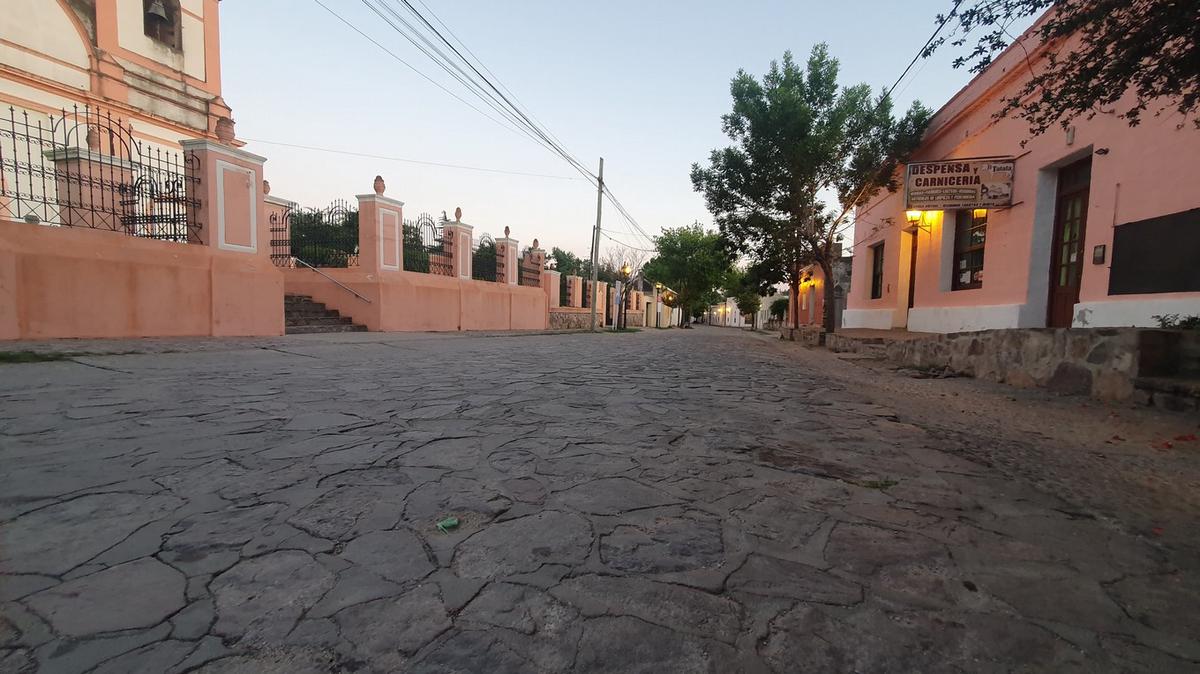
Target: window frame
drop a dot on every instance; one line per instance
(967, 221)
(877, 261)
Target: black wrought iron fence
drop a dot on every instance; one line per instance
(425, 247)
(585, 299)
(483, 260)
(322, 237)
(84, 168)
(563, 298)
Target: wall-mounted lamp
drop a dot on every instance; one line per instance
(916, 220)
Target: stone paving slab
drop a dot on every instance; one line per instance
(269, 506)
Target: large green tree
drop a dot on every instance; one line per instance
(692, 262)
(1147, 48)
(806, 152)
(747, 287)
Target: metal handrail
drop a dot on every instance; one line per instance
(339, 283)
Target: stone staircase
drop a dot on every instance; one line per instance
(303, 316)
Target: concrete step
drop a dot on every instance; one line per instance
(310, 313)
(318, 320)
(303, 316)
(318, 329)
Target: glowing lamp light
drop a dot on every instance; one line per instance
(979, 213)
(913, 217)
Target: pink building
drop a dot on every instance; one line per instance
(811, 298)
(1095, 225)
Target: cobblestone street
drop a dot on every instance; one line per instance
(674, 501)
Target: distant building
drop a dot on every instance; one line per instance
(1097, 224)
(812, 294)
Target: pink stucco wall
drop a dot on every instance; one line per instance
(415, 302)
(77, 282)
(1147, 171)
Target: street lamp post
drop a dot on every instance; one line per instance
(625, 272)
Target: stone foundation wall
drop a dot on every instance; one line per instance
(809, 335)
(571, 318)
(635, 319)
(1101, 362)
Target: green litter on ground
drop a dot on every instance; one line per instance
(447, 524)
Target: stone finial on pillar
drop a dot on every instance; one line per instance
(458, 214)
(225, 130)
(379, 186)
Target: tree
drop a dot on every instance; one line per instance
(566, 262)
(779, 308)
(747, 288)
(802, 144)
(690, 261)
(324, 238)
(1147, 47)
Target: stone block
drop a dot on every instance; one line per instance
(1071, 379)
(1111, 385)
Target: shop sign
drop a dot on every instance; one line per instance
(959, 183)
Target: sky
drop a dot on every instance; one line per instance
(641, 83)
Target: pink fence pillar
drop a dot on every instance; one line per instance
(532, 264)
(231, 199)
(247, 290)
(574, 296)
(380, 231)
(507, 269)
(459, 235)
(550, 283)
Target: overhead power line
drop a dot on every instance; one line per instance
(408, 65)
(451, 54)
(368, 155)
(937, 31)
(614, 239)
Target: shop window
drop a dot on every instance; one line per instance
(877, 271)
(162, 22)
(970, 235)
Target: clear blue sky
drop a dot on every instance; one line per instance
(641, 83)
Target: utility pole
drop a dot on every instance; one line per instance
(596, 243)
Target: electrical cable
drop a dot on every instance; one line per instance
(410, 161)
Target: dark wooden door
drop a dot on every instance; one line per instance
(1066, 255)
(912, 272)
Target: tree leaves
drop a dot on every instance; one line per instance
(691, 261)
(1099, 51)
